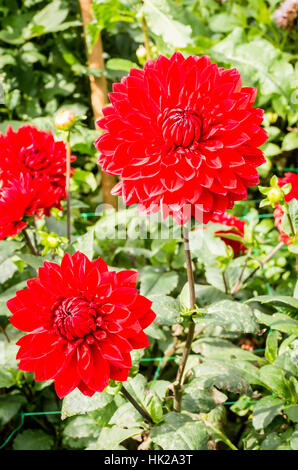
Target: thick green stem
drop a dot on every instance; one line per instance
(136, 405)
(29, 242)
(67, 187)
(146, 38)
(192, 296)
(291, 225)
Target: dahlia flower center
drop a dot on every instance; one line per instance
(33, 158)
(75, 318)
(180, 127)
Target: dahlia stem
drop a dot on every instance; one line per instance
(29, 242)
(5, 334)
(146, 38)
(238, 282)
(262, 263)
(291, 225)
(67, 186)
(191, 330)
(141, 410)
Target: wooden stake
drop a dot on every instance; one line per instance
(99, 96)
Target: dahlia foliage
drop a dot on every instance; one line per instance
(83, 321)
(237, 228)
(278, 213)
(183, 136)
(32, 176)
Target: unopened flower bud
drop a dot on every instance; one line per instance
(64, 120)
(53, 242)
(275, 195)
(141, 52)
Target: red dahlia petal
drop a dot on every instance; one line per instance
(67, 380)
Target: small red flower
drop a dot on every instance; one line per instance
(278, 213)
(183, 137)
(29, 150)
(238, 225)
(83, 322)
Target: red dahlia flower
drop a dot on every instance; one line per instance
(22, 195)
(83, 321)
(278, 212)
(182, 135)
(33, 151)
(16, 196)
(238, 225)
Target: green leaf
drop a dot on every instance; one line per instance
(273, 441)
(293, 212)
(206, 246)
(7, 270)
(205, 295)
(84, 244)
(166, 308)
(278, 322)
(260, 64)
(294, 439)
(160, 18)
(76, 403)
(290, 141)
(217, 348)
(48, 20)
(33, 261)
(9, 406)
(8, 248)
(195, 399)
(149, 399)
(110, 438)
(292, 412)
(6, 378)
(9, 294)
(276, 300)
(265, 411)
(224, 23)
(155, 280)
(275, 378)
(154, 407)
(159, 387)
(126, 416)
(87, 177)
(33, 439)
(180, 432)
(271, 350)
(230, 315)
(223, 376)
(288, 359)
(121, 64)
(79, 431)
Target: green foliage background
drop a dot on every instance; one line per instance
(233, 397)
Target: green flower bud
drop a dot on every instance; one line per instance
(275, 195)
(52, 242)
(141, 52)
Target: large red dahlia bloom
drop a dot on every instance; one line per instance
(83, 321)
(183, 136)
(237, 228)
(278, 213)
(33, 151)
